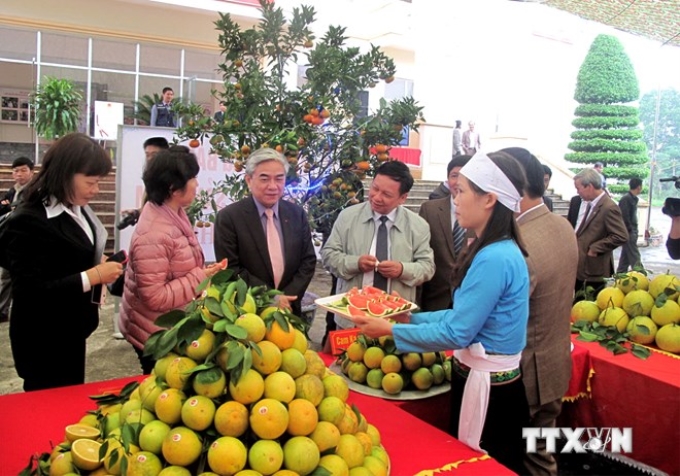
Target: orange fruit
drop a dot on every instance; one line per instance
(193, 143)
(303, 417)
(231, 419)
(284, 339)
(269, 418)
(181, 446)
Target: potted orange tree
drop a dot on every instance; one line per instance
(330, 145)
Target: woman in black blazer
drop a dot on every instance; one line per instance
(52, 245)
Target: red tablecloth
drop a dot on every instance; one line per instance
(581, 373)
(30, 421)
(629, 392)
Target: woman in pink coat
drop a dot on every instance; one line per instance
(166, 261)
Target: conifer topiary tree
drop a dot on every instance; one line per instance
(607, 130)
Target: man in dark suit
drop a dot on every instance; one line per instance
(546, 359)
(267, 240)
(22, 173)
(599, 230)
(436, 293)
(630, 254)
(219, 115)
(574, 207)
(547, 175)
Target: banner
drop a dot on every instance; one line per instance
(130, 163)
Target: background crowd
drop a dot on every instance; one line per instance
(487, 230)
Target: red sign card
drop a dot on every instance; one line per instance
(340, 340)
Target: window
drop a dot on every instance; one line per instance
(14, 106)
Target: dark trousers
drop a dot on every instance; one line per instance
(630, 254)
(507, 414)
(40, 374)
(581, 285)
(146, 361)
(330, 317)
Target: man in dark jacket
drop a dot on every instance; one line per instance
(630, 255)
(162, 114)
(22, 173)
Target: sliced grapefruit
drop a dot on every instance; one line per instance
(356, 312)
(377, 309)
(359, 301)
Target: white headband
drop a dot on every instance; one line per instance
(486, 175)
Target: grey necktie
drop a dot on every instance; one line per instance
(458, 238)
(380, 281)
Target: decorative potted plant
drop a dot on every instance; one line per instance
(57, 107)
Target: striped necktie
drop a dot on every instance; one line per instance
(381, 253)
(458, 237)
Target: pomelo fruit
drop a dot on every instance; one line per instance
(585, 311)
(638, 303)
(668, 338)
(614, 317)
(641, 330)
(633, 280)
(664, 283)
(668, 313)
(609, 297)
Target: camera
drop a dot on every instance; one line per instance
(129, 220)
(671, 206)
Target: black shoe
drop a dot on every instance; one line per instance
(4, 317)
